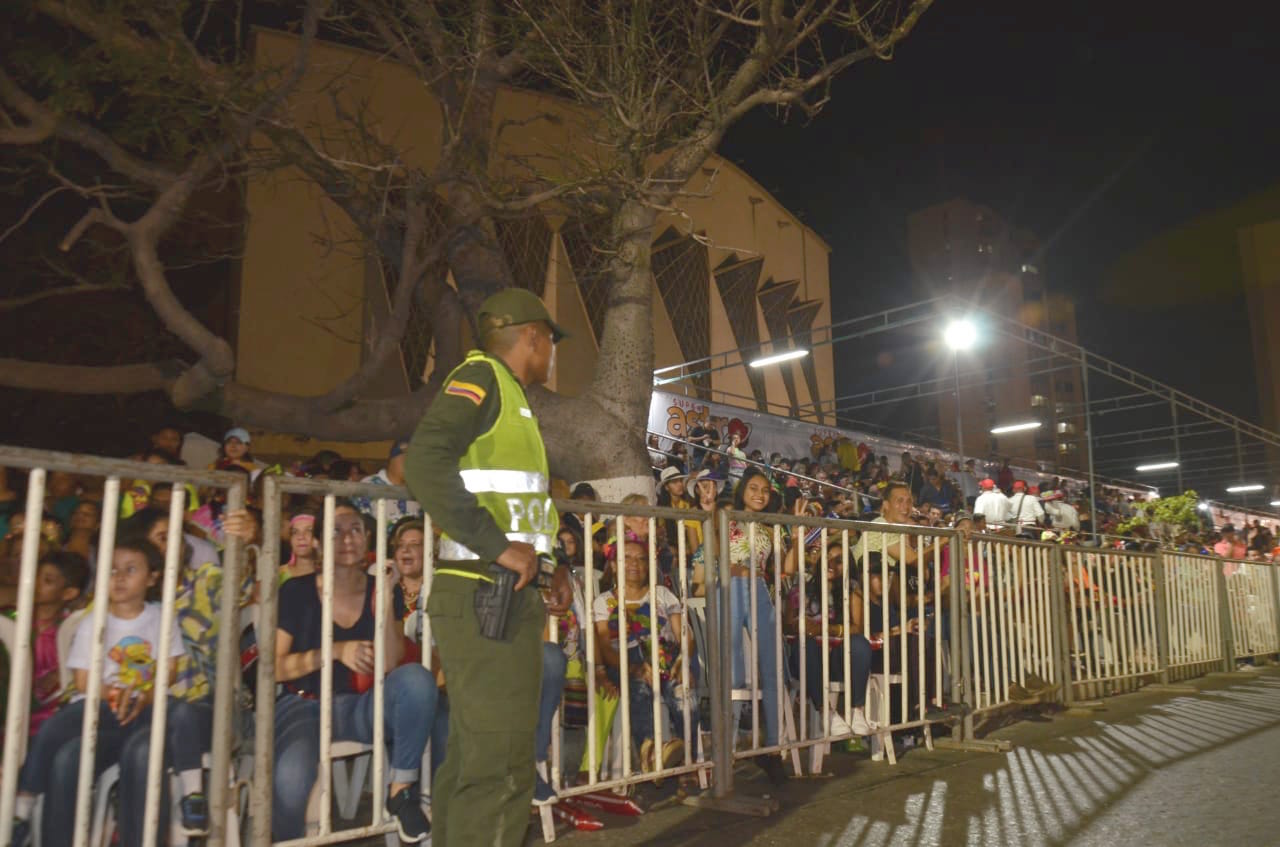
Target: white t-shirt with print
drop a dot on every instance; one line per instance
(129, 658)
(668, 605)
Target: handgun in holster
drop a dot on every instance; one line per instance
(495, 597)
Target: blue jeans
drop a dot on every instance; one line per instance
(859, 666)
(762, 625)
(640, 698)
(554, 665)
(53, 764)
(410, 714)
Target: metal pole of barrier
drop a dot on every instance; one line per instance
(20, 663)
(961, 649)
(93, 696)
(264, 631)
(1274, 583)
(160, 698)
(1227, 617)
(227, 672)
(1061, 624)
(1161, 580)
(589, 630)
(326, 667)
(624, 669)
(722, 723)
(381, 597)
(655, 667)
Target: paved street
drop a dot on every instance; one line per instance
(1151, 768)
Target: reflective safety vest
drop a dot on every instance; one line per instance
(506, 469)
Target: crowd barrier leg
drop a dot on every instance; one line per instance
(1160, 576)
(1274, 585)
(1058, 577)
(265, 706)
(1227, 616)
(720, 659)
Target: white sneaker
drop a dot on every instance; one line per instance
(839, 726)
(860, 724)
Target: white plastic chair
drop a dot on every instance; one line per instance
(882, 740)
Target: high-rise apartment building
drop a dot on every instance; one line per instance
(969, 251)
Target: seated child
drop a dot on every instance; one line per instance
(128, 674)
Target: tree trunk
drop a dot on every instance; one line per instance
(600, 434)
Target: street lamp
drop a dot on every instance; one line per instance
(778, 357)
(1018, 427)
(960, 334)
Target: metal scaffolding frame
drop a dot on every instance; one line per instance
(1120, 394)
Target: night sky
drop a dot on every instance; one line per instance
(1097, 125)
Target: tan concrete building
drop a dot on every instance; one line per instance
(968, 250)
(732, 269)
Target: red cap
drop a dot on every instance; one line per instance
(1019, 485)
(1035, 489)
(987, 484)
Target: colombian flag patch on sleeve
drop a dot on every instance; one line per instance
(472, 392)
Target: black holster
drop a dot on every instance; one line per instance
(494, 601)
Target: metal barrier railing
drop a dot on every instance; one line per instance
(226, 609)
(1193, 603)
(1252, 594)
(1089, 620)
(612, 726)
(910, 657)
(320, 804)
(1113, 620)
(1014, 608)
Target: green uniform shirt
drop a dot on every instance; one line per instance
(431, 468)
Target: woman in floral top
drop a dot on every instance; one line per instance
(753, 495)
(642, 611)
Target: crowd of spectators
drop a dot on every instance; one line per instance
(842, 481)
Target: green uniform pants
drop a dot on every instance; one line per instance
(483, 791)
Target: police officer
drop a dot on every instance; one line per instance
(478, 467)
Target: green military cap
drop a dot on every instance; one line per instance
(512, 306)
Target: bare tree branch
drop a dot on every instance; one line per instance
(45, 123)
(87, 379)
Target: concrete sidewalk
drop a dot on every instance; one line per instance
(1166, 768)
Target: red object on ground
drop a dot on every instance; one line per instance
(578, 818)
(607, 801)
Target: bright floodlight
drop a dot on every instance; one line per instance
(1158, 466)
(1204, 507)
(960, 334)
(1275, 502)
(778, 357)
(1018, 427)
(1239, 489)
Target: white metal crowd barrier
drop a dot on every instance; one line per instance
(111, 472)
(1252, 595)
(1193, 604)
(365, 756)
(1087, 620)
(867, 593)
(604, 604)
(1013, 608)
(1113, 619)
